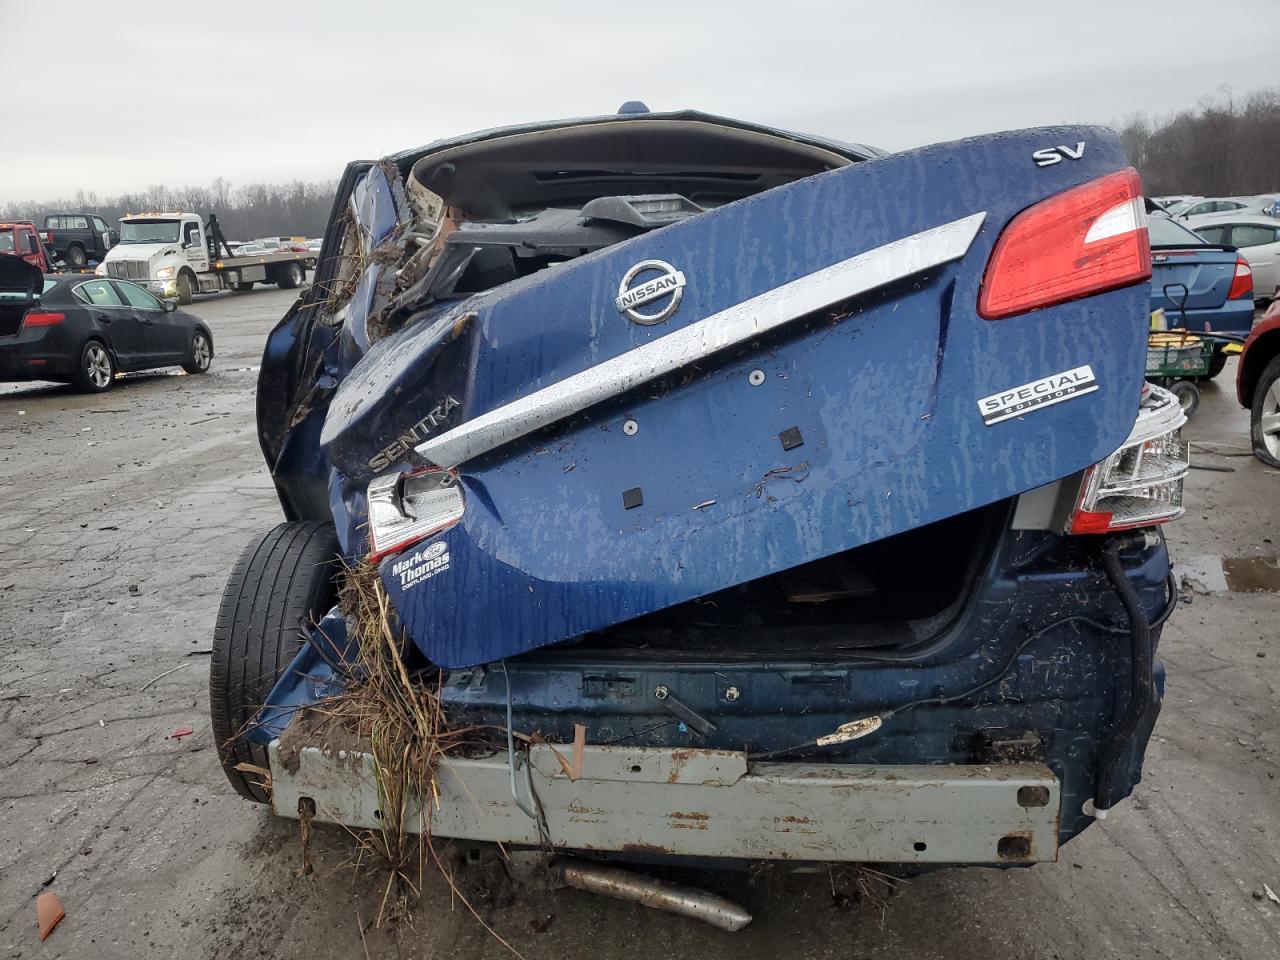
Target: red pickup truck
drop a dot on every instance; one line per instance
(20, 237)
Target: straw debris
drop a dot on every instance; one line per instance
(396, 714)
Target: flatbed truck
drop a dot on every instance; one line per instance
(182, 254)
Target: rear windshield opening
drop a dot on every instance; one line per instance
(1165, 233)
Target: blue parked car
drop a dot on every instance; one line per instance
(809, 497)
(1217, 281)
(1201, 286)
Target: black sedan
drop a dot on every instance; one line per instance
(84, 329)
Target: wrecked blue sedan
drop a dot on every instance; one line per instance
(808, 496)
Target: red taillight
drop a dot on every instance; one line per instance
(1242, 282)
(43, 319)
(1083, 241)
(1084, 521)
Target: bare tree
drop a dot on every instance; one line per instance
(256, 210)
(1224, 147)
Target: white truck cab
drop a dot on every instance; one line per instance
(177, 255)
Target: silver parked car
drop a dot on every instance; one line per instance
(1214, 206)
(1257, 237)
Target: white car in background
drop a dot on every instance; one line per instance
(1215, 206)
(1257, 237)
(1176, 203)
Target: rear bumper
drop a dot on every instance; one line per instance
(707, 803)
(1234, 316)
(36, 355)
(1062, 704)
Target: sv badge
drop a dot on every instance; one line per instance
(1051, 155)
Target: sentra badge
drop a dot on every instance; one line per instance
(402, 444)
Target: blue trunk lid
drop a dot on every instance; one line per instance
(1206, 273)
(760, 426)
(1203, 275)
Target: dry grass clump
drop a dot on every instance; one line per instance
(400, 718)
(856, 884)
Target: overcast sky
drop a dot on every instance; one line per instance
(119, 96)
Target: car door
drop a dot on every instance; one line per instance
(29, 246)
(102, 241)
(1260, 245)
(164, 337)
(115, 320)
(194, 247)
(168, 331)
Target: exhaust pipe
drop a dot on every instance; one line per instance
(658, 894)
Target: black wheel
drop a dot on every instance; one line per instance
(1264, 415)
(97, 369)
(185, 288)
(289, 276)
(240, 286)
(201, 353)
(280, 585)
(1188, 395)
(1217, 362)
(75, 258)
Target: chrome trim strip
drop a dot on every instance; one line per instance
(761, 314)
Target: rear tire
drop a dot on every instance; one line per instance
(75, 258)
(201, 354)
(97, 368)
(280, 585)
(185, 288)
(289, 276)
(1264, 415)
(1188, 395)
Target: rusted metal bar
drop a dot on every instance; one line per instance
(658, 894)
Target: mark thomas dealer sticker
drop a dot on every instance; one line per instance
(1037, 395)
(422, 565)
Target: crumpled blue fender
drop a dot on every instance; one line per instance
(317, 672)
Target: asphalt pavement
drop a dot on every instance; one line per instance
(123, 514)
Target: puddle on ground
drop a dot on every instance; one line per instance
(1252, 574)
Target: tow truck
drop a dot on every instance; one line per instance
(181, 254)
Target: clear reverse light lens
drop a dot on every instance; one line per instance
(1141, 483)
(407, 507)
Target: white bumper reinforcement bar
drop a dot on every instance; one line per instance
(709, 803)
